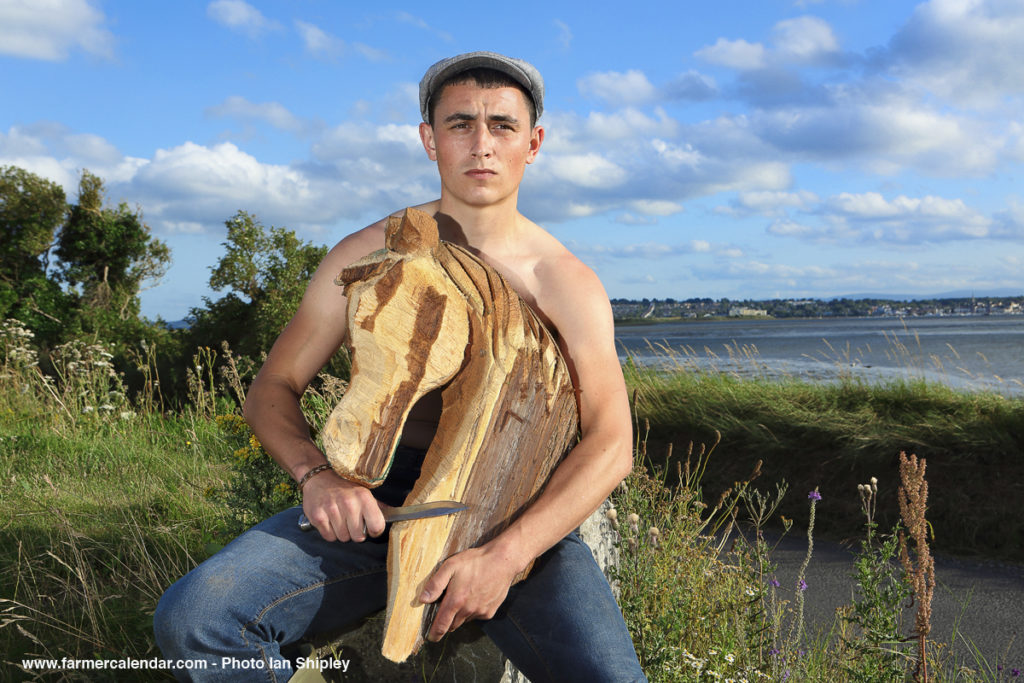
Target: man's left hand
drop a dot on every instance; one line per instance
(473, 582)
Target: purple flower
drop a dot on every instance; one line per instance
(801, 584)
(1015, 672)
(814, 495)
(775, 582)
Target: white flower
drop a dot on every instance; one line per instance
(106, 407)
(88, 409)
(730, 658)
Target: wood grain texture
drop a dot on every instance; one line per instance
(425, 314)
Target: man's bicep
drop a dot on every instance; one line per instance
(587, 336)
(318, 328)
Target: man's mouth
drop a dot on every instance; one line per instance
(480, 172)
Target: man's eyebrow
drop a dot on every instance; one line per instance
(463, 116)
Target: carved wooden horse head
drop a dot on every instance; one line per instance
(425, 314)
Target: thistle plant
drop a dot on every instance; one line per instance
(913, 501)
(881, 591)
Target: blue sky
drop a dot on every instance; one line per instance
(741, 149)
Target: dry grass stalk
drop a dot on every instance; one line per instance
(913, 501)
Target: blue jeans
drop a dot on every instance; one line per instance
(275, 585)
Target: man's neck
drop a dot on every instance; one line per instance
(480, 228)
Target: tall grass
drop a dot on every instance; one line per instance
(103, 509)
(835, 435)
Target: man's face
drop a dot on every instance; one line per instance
(482, 141)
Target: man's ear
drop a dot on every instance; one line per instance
(536, 140)
(427, 138)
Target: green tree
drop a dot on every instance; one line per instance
(265, 273)
(31, 211)
(105, 257)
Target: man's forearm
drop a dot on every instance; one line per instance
(272, 410)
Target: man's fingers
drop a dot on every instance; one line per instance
(436, 584)
(374, 520)
(433, 589)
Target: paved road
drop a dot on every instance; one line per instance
(980, 603)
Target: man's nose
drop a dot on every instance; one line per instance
(483, 144)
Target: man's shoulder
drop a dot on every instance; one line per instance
(564, 282)
(369, 239)
(557, 263)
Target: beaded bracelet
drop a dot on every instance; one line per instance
(313, 471)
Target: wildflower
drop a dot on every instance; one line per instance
(774, 582)
(613, 517)
(814, 495)
(1015, 672)
(106, 407)
(652, 536)
(88, 409)
(801, 584)
(634, 521)
(730, 658)
(749, 592)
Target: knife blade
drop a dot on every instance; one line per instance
(435, 508)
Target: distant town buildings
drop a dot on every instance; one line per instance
(648, 309)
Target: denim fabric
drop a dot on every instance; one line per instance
(275, 585)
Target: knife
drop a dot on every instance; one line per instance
(437, 508)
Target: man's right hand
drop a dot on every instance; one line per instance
(341, 510)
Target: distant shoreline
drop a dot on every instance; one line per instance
(636, 322)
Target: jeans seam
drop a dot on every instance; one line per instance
(536, 651)
(287, 596)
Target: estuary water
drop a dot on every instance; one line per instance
(981, 353)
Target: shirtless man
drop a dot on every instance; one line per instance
(276, 586)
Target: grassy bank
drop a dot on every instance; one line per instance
(107, 501)
(834, 436)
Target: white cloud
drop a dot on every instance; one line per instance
(912, 219)
(51, 29)
(583, 170)
(318, 42)
(784, 227)
(805, 39)
(772, 203)
(656, 207)
(631, 87)
(645, 251)
(419, 23)
(737, 54)
(370, 54)
(967, 51)
(889, 132)
(691, 85)
(629, 123)
(870, 217)
(240, 16)
(273, 113)
(564, 34)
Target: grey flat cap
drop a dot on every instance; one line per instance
(524, 73)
